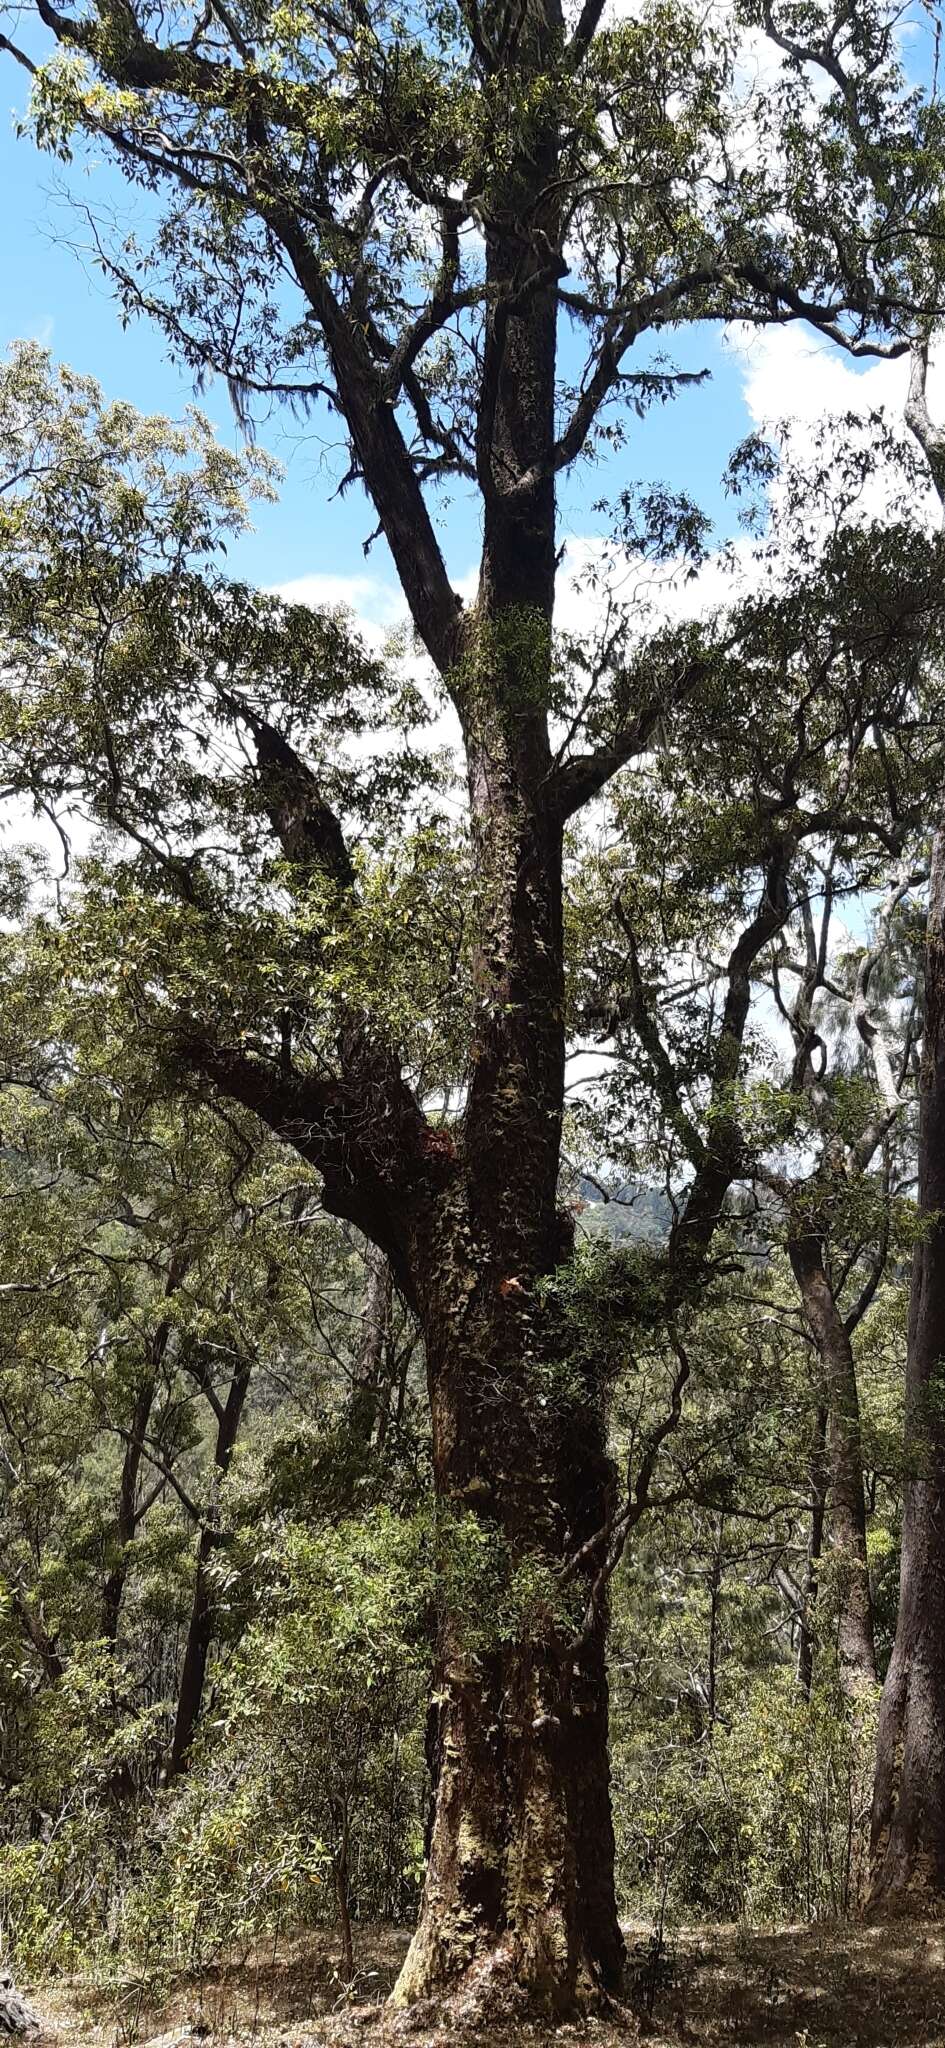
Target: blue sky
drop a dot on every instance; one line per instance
(312, 538)
(53, 294)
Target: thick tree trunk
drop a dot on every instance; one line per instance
(908, 1846)
(519, 1884)
(519, 1895)
(519, 1892)
(520, 1881)
(851, 1602)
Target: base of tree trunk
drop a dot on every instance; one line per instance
(498, 1988)
(914, 1901)
(519, 1910)
(16, 2017)
(908, 1845)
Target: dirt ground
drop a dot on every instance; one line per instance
(793, 1987)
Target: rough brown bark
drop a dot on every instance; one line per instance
(370, 1384)
(520, 1878)
(519, 1883)
(852, 1607)
(818, 1511)
(908, 1835)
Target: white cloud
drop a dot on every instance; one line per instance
(791, 373)
(377, 607)
(794, 377)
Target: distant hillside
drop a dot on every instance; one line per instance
(632, 1211)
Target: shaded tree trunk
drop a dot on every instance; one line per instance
(200, 1629)
(130, 1511)
(341, 1873)
(818, 1510)
(908, 1834)
(196, 1653)
(852, 1615)
(394, 1386)
(126, 1520)
(370, 1383)
(519, 1886)
(520, 1878)
(716, 1571)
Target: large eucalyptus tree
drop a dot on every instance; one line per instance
(468, 231)
(908, 1822)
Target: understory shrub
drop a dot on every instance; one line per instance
(765, 1816)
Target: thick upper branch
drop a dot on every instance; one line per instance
(362, 1130)
(574, 783)
(305, 825)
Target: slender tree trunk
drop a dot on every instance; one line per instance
(196, 1654)
(370, 1388)
(36, 1633)
(715, 1610)
(126, 1519)
(200, 1629)
(818, 1510)
(128, 1507)
(342, 1897)
(846, 1503)
(908, 1840)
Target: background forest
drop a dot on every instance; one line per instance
(219, 1541)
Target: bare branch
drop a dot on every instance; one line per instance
(869, 1027)
(931, 439)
